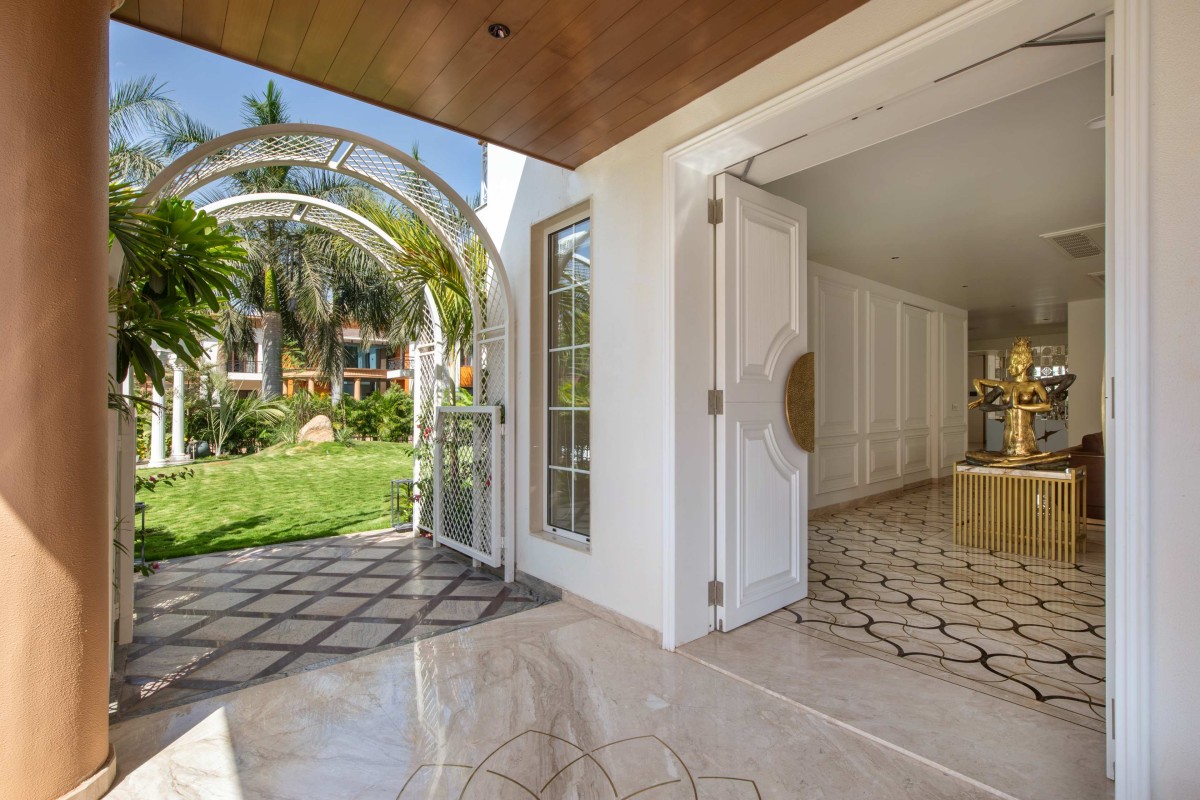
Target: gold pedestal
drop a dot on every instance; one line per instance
(1039, 513)
(987, 458)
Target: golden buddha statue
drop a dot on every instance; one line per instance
(1021, 399)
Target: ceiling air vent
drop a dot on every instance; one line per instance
(1078, 242)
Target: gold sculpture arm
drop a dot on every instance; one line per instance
(979, 384)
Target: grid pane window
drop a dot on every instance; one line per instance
(568, 380)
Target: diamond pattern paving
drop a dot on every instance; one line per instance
(211, 623)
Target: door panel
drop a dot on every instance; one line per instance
(762, 475)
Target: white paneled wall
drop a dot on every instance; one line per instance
(891, 386)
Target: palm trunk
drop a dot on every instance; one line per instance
(335, 385)
(272, 355)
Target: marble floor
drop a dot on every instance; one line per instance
(986, 663)
(550, 703)
(886, 578)
(215, 622)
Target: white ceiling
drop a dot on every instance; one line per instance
(964, 201)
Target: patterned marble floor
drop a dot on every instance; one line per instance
(886, 578)
(553, 703)
(214, 622)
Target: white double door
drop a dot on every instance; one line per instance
(761, 473)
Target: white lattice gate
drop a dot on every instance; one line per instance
(468, 481)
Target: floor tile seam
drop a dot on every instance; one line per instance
(1028, 703)
(941, 768)
(343, 621)
(423, 613)
(335, 658)
(216, 615)
(251, 634)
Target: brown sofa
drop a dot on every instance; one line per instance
(1090, 454)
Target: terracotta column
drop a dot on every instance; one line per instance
(55, 531)
(357, 389)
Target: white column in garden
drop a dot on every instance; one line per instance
(178, 452)
(158, 431)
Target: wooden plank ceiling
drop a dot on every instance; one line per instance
(574, 78)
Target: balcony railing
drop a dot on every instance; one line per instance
(250, 365)
(395, 363)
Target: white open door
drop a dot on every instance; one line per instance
(761, 473)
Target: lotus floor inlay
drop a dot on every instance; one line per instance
(552, 703)
(214, 622)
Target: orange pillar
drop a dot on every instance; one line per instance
(55, 532)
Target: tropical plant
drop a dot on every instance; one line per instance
(179, 269)
(229, 414)
(382, 416)
(146, 128)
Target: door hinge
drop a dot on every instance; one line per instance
(716, 402)
(716, 593)
(716, 211)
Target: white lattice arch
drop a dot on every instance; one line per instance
(407, 181)
(314, 211)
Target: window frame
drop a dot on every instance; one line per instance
(540, 355)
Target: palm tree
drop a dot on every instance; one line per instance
(347, 287)
(146, 129)
(281, 269)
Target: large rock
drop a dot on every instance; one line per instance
(317, 429)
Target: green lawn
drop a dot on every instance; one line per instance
(285, 493)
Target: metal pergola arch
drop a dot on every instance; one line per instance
(405, 180)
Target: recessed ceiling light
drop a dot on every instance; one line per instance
(964, 286)
(498, 30)
(895, 258)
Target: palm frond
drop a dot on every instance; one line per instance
(133, 162)
(137, 105)
(178, 133)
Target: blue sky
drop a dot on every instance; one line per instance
(210, 87)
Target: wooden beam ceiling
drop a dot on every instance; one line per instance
(573, 79)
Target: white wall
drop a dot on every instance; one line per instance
(624, 570)
(891, 386)
(1173, 372)
(1085, 359)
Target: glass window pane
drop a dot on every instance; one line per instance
(583, 505)
(568, 378)
(559, 308)
(581, 377)
(559, 383)
(558, 511)
(562, 259)
(581, 314)
(558, 449)
(581, 443)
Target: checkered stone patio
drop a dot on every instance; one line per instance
(215, 622)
